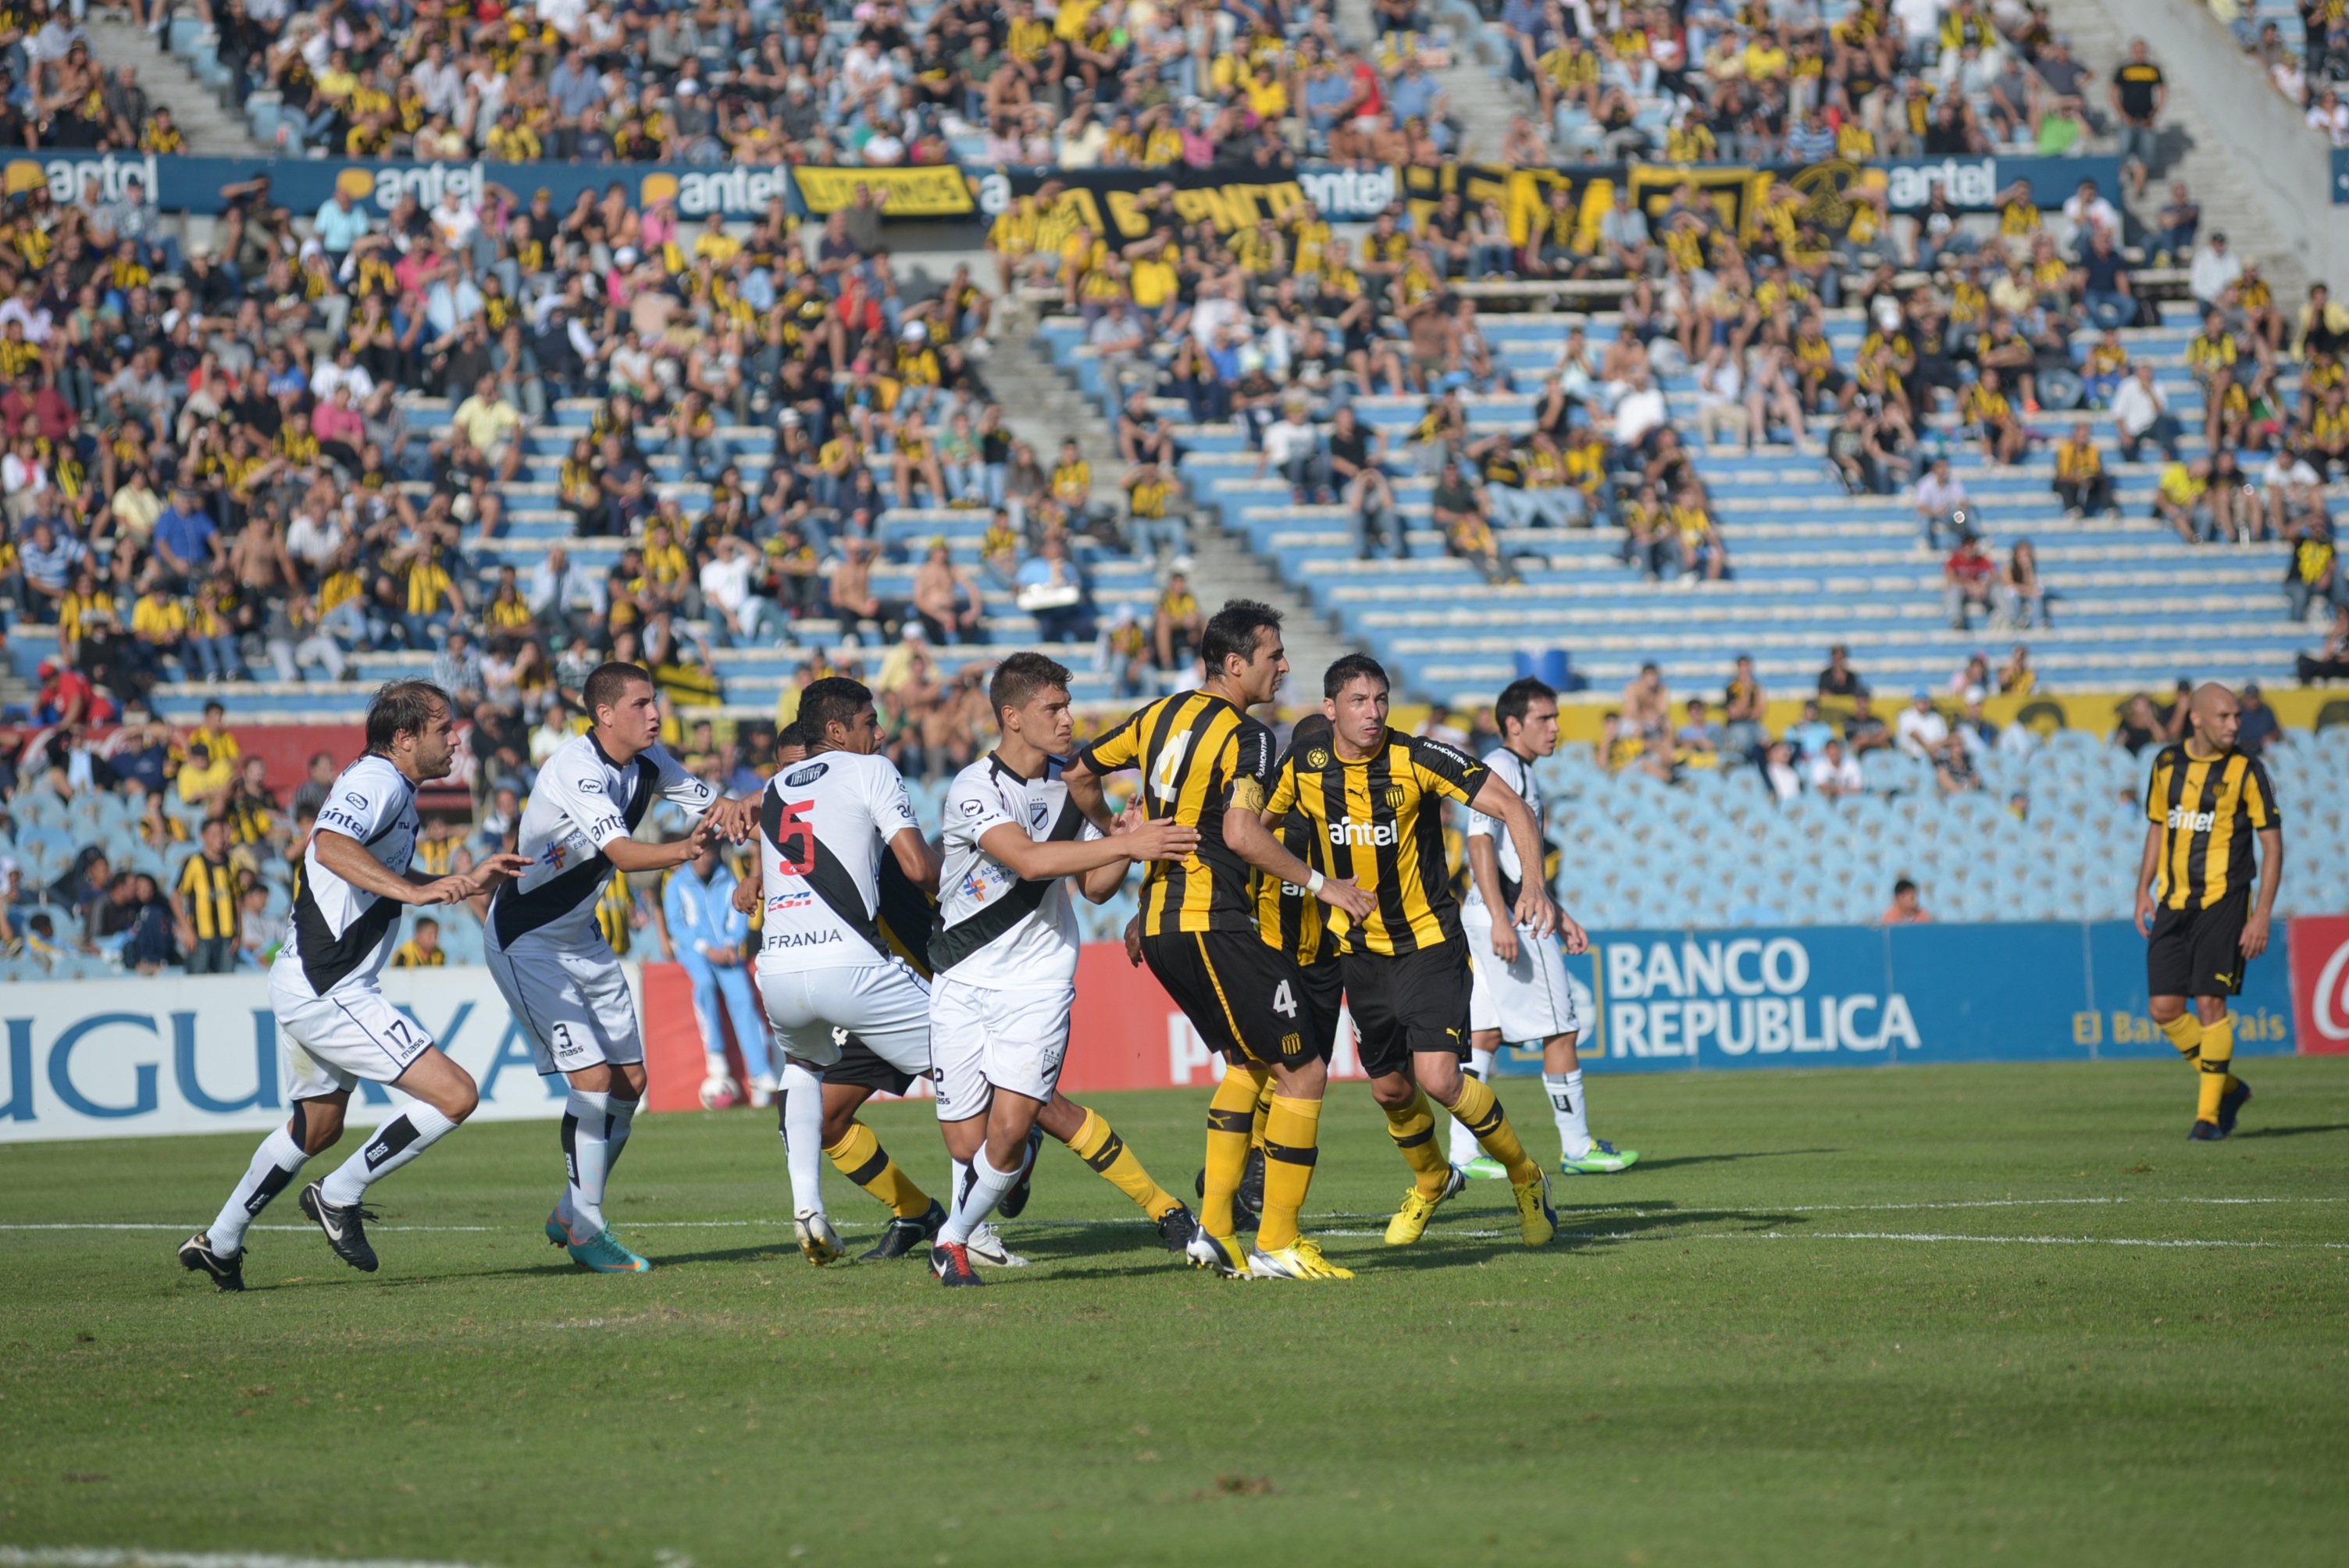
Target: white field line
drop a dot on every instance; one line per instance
(131, 1557)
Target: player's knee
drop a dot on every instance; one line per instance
(2166, 1009)
(1392, 1090)
(2210, 1009)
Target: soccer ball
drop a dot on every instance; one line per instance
(720, 1092)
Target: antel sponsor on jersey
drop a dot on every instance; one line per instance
(1740, 996)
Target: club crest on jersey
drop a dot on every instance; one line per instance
(1397, 796)
(1316, 758)
(1038, 813)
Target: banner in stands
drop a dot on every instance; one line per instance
(1523, 194)
(1108, 200)
(177, 1053)
(938, 191)
(302, 185)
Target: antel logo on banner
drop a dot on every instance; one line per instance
(1743, 995)
(2320, 982)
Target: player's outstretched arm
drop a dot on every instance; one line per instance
(734, 817)
(499, 868)
(1250, 839)
(1536, 910)
(1085, 792)
(629, 855)
(349, 860)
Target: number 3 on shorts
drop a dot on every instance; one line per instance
(1283, 1003)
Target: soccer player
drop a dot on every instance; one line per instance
(1405, 960)
(548, 954)
(324, 986)
(1207, 765)
(2205, 803)
(1005, 950)
(1518, 990)
(824, 964)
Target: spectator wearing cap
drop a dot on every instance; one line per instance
(2260, 728)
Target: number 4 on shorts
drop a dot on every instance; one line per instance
(1283, 1003)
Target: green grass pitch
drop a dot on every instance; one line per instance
(1909, 1315)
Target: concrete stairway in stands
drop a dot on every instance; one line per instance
(1043, 408)
(211, 130)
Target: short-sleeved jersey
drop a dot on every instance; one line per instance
(1375, 824)
(1199, 756)
(340, 936)
(995, 928)
(1518, 774)
(1286, 916)
(2208, 809)
(822, 826)
(210, 892)
(582, 802)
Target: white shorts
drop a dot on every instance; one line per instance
(1526, 1001)
(572, 1001)
(887, 1006)
(332, 1042)
(983, 1039)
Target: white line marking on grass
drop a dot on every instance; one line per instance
(132, 1557)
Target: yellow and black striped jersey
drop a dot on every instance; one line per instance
(614, 911)
(1199, 754)
(211, 890)
(2208, 809)
(1373, 822)
(1286, 916)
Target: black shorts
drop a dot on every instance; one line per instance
(1416, 1002)
(859, 1065)
(1246, 999)
(1325, 994)
(2199, 951)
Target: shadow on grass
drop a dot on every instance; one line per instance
(2290, 1131)
(1717, 1159)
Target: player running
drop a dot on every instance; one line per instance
(336, 1026)
(1005, 950)
(1206, 764)
(545, 949)
(1405, 960)
(2204, 803)
(1518, 991)
(824, 964)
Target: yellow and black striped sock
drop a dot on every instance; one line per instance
(1098, 1146)
(1290, 1135)
(2217, 1061)
(1412, 1127)
(860, 1158)
(1231, 1114)
(2185, 1032)
(1482, 1113)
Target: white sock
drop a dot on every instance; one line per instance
(1566, 1103)
(274, 1166)
(971, 1208)
(395, 1143)
(1463, 1142)
(587, 1159)
(801, 1094)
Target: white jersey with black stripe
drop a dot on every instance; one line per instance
(581, 803)
(995, 929)
(338, 936)
(1518, 774)
(823, 825)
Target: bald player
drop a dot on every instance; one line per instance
(2206, 804)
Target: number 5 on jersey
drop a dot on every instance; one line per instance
(795, 839)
